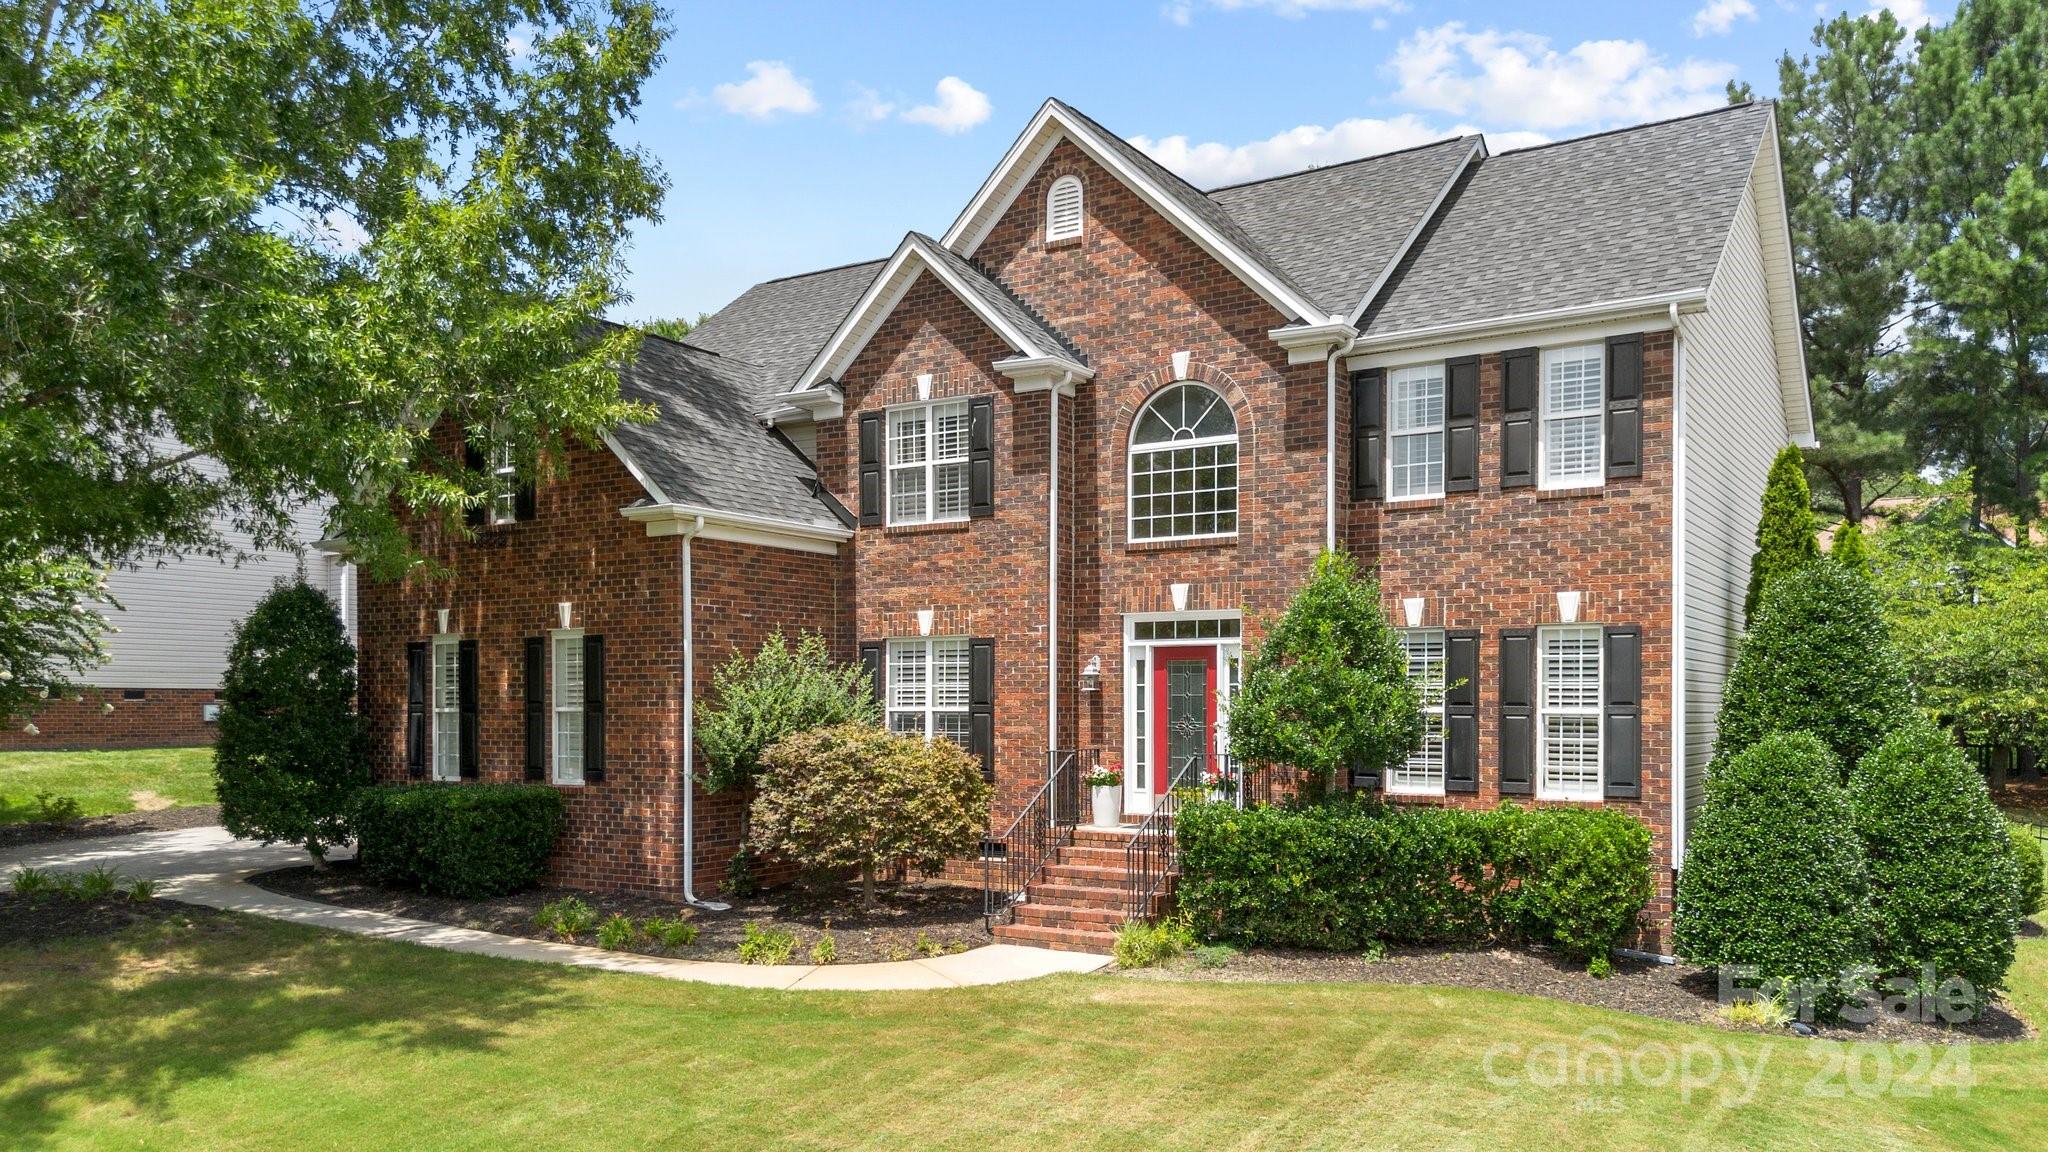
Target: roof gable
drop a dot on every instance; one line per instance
(779, 325)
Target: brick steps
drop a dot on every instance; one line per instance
(1080, 901)
(1057, 939)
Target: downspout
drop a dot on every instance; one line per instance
(1330, 450)
(1052, 581)
(690, 733)
(1678, 463)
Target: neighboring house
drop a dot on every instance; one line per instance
(1074, 454)
(169, 645)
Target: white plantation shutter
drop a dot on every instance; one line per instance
(1063, 209)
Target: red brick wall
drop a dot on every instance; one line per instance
(163, 718)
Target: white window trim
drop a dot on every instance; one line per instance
(1596, 711)
(930, 464)
(1052, 231)
(504, 506)
(930, 710)
(555, 709)
(444, 643)
(1229, 677)
(1441, 430)
(1132, 449)
(1429, 709)
(1598, 478)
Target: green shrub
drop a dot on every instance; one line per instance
(467, 840)
(1785, 532)
(1819, 659)
(739, 873)
(54, 809)
(140, 890)
(758, 700)
(760, 945)
(925, 946)
(32, 882)
(670, 931)
(291, 751)
(1214, 955)
(1774, 875)
(98, 883)
(567, 917)
(1352, 874)
(1141, 944)
(1944, 888)
(1765, 1012)
(825, 951)
(2026, 859)
(616, 933)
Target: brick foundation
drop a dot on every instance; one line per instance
(108, 718)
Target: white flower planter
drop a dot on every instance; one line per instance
(1107, 805)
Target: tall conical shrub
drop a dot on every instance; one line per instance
(1851, 548)
(1785, 535)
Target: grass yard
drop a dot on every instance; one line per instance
(227, 1032)
(105, 783)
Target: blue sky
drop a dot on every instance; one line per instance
(799, 136)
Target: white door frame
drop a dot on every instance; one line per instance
(1229, 654)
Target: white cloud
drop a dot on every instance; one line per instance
(1912, 15)
(1719, 17)
(769, 90)
(1209, 164)
(867, 107)
(959, 107)
(1517, 78)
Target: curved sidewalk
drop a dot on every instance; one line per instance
(207, 866)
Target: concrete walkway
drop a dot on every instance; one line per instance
(207, 866)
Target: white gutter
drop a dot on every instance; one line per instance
(690, 733)
(672, 519)
(1690, 300)
(1678, 446)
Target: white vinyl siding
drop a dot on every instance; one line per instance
(1569, 445)
(446, 701)
(566, 702)
(1423, 772)
(1568, 713)
(928, 462)
(928, 688)
(1415, 432)
(1063, 217)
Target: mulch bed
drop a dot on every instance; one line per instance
(1646, 988)
(946, 918)
(122, 824)
(39, 919)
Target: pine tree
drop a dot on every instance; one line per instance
(1785, 536)
(1850, 549)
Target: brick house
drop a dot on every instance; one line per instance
(1049, 473)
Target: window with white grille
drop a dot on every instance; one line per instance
(504, 485)
(1574, 397)
(568, 707)
(928, 688)
(1184, 466)
(1423, 771)
(1568, 713)
(928, 462)
(1415, 432)
(1063, 209)
(447, 701)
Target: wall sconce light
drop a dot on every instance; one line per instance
(1568, 607)
(1091, 676)
(1412, 608)
(924, 621)
(441, 620)
(562, 612)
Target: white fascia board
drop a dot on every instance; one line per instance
(1030, 374)
(1768, 178)
(1004, 184)
(646, 482)
(825, 402)
(1642, 314)
(1478, 151)
(670, 519)
(1310, 343)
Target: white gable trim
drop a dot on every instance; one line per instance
(1003, 186)
(1774, 227)
(1476, 152)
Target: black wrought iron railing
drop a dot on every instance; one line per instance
(1011, 861)
(1153, 854)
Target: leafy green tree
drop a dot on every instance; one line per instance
(50, 629)
(1328, 688)
(291, 752)
(779, 691)
(675, 327)
(1785, 534)
(253, 251)
(1850, 549)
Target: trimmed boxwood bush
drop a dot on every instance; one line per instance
(2026, 859)
(467, 840)
(1348, 874)
(1944, 888)
(1774, 874)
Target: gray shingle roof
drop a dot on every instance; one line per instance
(1336, 229)
(780, 324)
(1622, 215)
(706, 445)
(1002, 301)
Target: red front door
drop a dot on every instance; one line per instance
(1184, 713)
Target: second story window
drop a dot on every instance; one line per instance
(928, 446)
(1574, 395)
(1415, 432)
(504, 486)
(1184, 466)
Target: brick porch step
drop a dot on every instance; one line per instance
(1071, 916)
(1060, 939)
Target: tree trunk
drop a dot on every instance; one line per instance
(319, 853)
(867, 885)
(1852, 499)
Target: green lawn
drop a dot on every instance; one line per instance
(252, 1034)
(104, 782)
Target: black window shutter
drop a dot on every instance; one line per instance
(466, 690)
(525, 502)
(473, 459)
(871, 652)
(981, 457)
(1461, 711)
(1368, 433)
(1621, 726)
(1518, 370)
(1517, 711)
(536, 708)
(1625, 406)
(1461, 424)
(870, 469)
(981, 704)
(593, 709)
(418, 673)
